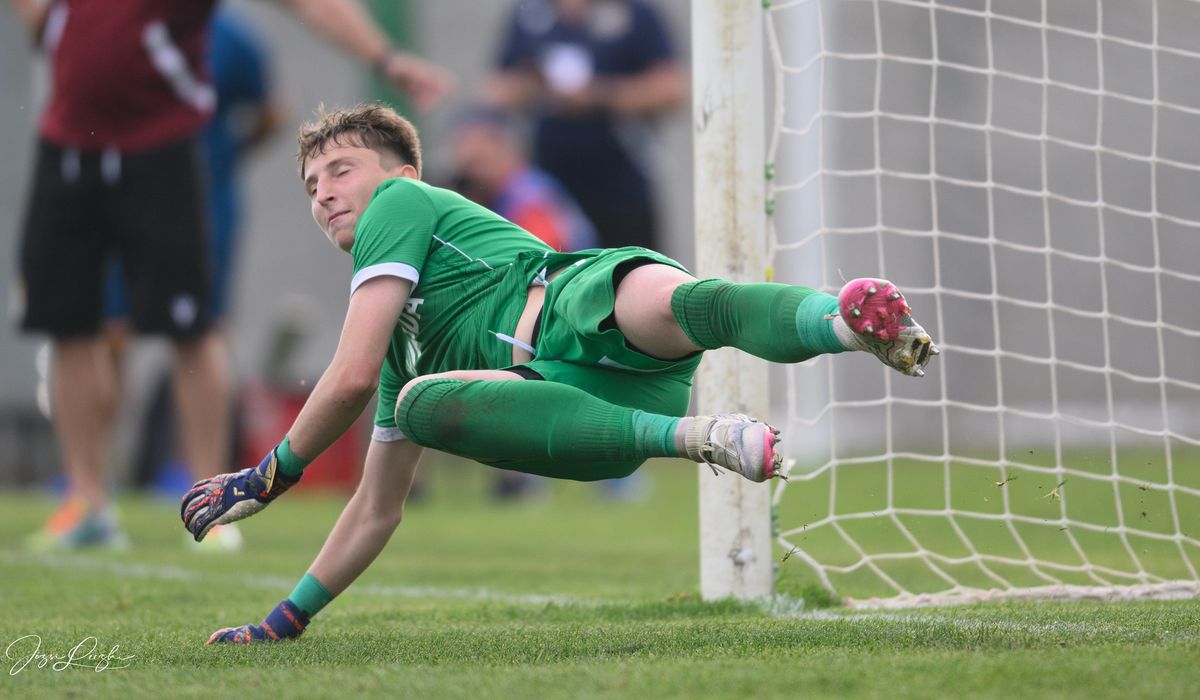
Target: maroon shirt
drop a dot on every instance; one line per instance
(128, 74)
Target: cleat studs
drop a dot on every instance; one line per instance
(868, 328)
(856, 312)
(934, 350)
(919, 372)
(894, 296)
(871, 290)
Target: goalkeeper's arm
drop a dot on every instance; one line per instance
(353, 375)
(337, 400)
(361, 532)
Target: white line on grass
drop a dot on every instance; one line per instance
(78, 562)
(972, 624)
(783, 608)
(791, 608)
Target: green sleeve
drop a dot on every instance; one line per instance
(394, 233)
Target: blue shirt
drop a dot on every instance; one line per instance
(239, 72)
(534, 190)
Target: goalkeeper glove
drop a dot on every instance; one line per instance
(226, 498)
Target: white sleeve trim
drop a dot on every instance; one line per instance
(391, 269)
(382, 434)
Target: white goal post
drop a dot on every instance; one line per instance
(1028, 172)
(728, 128)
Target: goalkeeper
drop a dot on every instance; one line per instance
(485, 343)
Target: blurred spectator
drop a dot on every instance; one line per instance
(593, 73)
(491, 168)
(246, 114)
(118, 172)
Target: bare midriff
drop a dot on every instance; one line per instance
(535, 296)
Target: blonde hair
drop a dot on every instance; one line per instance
(374, 126)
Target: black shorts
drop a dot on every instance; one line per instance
(148, 208)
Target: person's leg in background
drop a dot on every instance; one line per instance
(84, 399)
(202, 397)
(63, 250)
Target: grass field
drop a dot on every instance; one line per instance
(570, 596)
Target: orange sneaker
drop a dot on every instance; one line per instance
(72, 526)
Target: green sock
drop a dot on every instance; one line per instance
(776, 322)
(651, 427)
(289, 463)
(309, 595)
(537, 427)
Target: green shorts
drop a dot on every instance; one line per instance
(571, 347)
(573, 350)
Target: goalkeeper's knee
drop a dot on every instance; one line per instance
(417, 405)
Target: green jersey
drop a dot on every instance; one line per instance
(470, 270)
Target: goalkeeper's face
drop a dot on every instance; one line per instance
(340, 182)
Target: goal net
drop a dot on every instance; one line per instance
(1028, 173)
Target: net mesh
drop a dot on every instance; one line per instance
(1028, 173)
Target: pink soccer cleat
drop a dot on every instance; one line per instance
(881, 322)
(739, 443)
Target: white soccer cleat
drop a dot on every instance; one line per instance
(880, 322)
(736, 442)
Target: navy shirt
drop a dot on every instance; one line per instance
(595, 151)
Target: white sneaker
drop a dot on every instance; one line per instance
(877, 319)
(736, 442)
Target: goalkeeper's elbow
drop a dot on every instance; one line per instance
(355, 385)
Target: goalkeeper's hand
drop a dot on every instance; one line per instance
(226, 498)
(286, 621)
